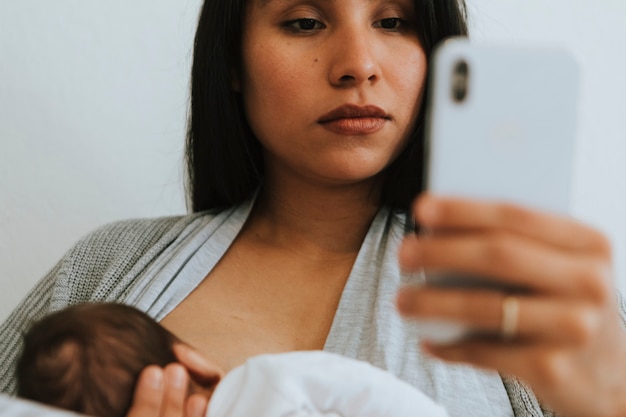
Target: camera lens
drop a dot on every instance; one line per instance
(460, 78)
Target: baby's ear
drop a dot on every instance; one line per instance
(201, 370)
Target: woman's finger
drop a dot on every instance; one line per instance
(176, 382)
(577, 382)
(452, 213)
(199, 368)
(532, 362)
(148, 395)
(546, 319)
(196, 406)
(509, 260)
(509, 359)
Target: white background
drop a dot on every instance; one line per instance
(93, 102)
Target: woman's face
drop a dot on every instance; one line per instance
(331, 88)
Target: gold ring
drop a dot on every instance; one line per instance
(510, 316)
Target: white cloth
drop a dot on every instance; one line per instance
(316, 384)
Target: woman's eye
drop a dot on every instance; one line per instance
(391, 23)
(304, 25)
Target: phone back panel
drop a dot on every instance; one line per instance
(512, 136)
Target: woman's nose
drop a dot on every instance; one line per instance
(355, 61)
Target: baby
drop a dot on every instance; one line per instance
(87, 359)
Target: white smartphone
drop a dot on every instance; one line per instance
(501, 123)
(501, 126)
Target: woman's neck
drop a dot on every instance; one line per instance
(323, 221)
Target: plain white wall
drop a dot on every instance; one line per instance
(93, 100)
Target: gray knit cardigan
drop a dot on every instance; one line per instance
(102, 266)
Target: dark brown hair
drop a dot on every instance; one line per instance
(87, 358)
(224, 159)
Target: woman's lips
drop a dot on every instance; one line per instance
(355, 125)
(351, 119)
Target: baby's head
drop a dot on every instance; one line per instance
(87, 358)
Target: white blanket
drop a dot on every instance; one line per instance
(299, 384)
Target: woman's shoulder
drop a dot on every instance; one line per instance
(138, 230)
(98, 265)
(134, 234)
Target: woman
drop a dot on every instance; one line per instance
(304, 154)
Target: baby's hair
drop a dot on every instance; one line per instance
(87, 358)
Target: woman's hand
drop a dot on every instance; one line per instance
(170, 392)
(163, 393)
(569, 343)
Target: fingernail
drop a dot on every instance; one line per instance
(154, 378)
(176, 376)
